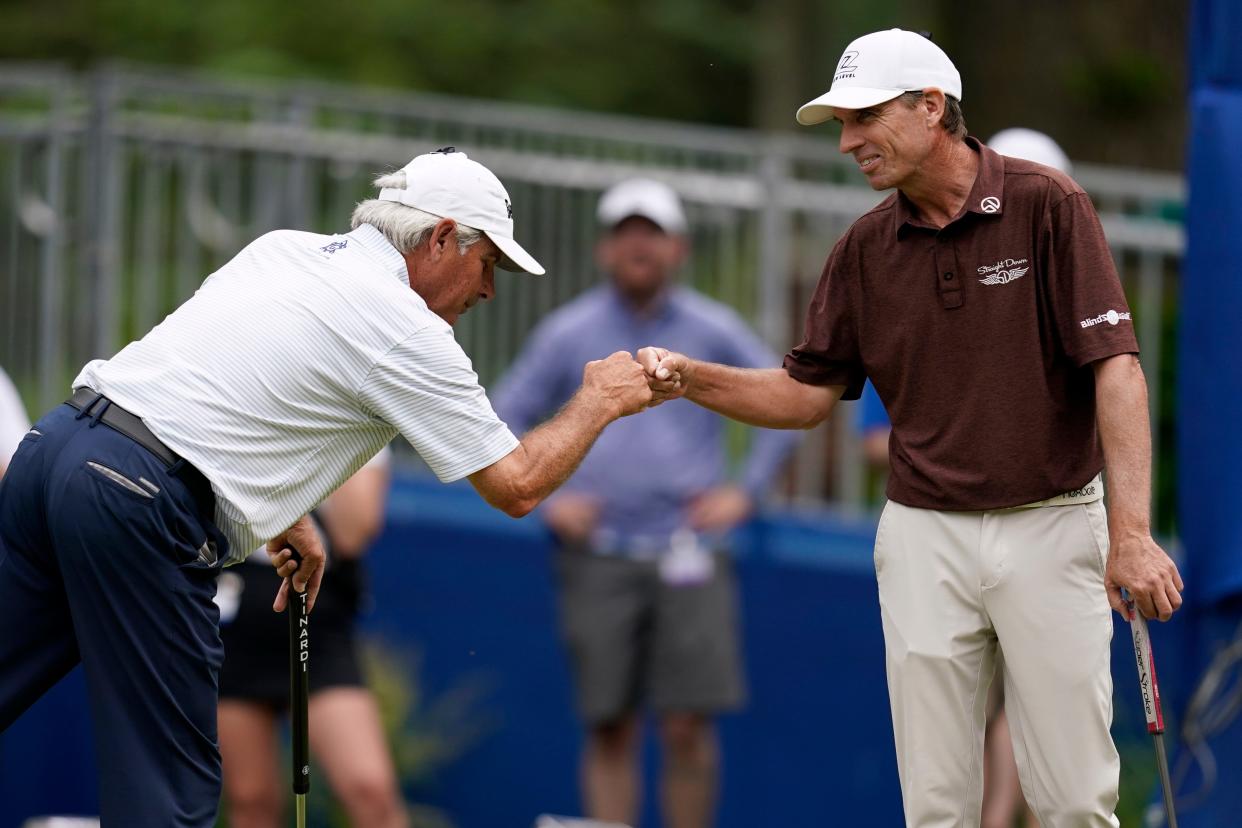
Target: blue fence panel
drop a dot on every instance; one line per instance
(471, 592)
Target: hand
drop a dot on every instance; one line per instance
(571, 516)
(667, 373)
(1138, 564)
(618, 380)
(304, 537)
(720, 509)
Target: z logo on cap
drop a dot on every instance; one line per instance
(848, 66)
(509, 207)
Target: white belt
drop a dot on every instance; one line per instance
(1089, 493)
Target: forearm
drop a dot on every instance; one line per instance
(1125, 435)
(765, 397)
(546, 456)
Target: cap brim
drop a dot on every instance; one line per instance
(514, 258)
(847, 97)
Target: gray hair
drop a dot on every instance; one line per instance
(952, 120)
(405, 227)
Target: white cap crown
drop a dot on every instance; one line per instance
(448, 184)
(1029, 145)
(880, 66)
(653, 200)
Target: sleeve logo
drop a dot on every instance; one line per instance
(1110, 316)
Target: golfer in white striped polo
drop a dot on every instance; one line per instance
(289, 368)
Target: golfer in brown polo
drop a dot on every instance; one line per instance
(982, 302)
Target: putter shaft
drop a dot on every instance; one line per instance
(299, 696)
(1162, 764)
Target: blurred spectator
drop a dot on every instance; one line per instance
(1029, 145)
(1002, 794)
(873, 426)
(648, 605)
(13, 420)
(346, 735)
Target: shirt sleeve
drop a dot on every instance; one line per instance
(1088, 304)
(537, 383)
(426, 388)
(13, 421)
(829, 352)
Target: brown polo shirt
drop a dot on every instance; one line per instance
(978, 336)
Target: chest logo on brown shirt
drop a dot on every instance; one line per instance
(1003, 272)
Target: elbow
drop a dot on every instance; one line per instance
(810, 417)
(518, 501)
(809, 422)
(509, 485)
(811, 405)
(518, 507)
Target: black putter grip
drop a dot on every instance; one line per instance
(299, 687)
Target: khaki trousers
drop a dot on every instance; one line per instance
(953, 587)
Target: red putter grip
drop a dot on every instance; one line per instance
(1146, 670)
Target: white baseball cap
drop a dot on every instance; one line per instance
(880, 66)
(652, 200)
(1029, 145)
(447, 184)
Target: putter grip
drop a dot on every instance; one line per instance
(1146, 671)
(299, 687)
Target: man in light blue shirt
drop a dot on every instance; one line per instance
(647, 604)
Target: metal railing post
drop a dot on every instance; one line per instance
(51, 357)
(103, 177)
(773, 274)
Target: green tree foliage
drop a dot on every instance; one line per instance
(1105, 78)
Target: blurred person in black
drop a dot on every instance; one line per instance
(346, 734)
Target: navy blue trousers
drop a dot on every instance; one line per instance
(100, 563)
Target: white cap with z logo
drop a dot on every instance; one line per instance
(447, 184)
(880, 66)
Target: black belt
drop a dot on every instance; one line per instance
(117, 418)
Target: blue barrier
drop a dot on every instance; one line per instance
(471, 591)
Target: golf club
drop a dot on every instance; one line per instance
(1151, 701)
(299, 692)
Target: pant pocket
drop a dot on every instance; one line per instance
(1097, 526)
(122, 481)
(877, 555)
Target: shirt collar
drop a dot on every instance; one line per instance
(987, 195)
(374, 243)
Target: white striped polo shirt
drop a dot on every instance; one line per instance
(13, 420)
(293, 365)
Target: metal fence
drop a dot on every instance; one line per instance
(121, 189)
